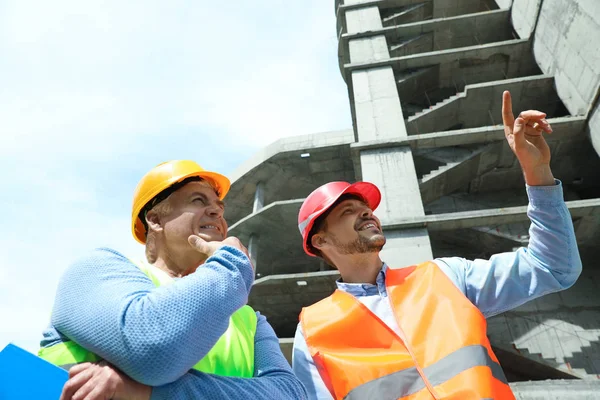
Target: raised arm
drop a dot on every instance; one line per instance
(548, 264)
(551, 261)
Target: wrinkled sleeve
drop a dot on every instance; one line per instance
(549, 263)
(155, 335)
(273, 377)
(306, 370)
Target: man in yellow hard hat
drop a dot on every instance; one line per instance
(176, 326)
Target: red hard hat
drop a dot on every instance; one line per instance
(322, 198)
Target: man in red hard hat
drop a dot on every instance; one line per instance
(419, 332)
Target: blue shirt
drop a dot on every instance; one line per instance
(156, 335)
(550, 263)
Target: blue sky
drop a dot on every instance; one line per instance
(95, 93)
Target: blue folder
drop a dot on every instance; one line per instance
(26, 376)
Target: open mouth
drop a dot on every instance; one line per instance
(210, 227)
(368, 225)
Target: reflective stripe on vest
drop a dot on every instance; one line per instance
(232, 354)
(442, 351)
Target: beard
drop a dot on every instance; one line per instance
(360, 245)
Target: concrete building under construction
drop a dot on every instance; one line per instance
(425, 79)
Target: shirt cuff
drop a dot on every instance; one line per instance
(546, 194)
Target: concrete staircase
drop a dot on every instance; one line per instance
(460, 165)
(438, 105)
(518, 233)
(480, 104)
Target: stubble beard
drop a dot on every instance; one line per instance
(360, 245)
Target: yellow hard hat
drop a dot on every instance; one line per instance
(162, 177)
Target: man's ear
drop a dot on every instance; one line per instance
(153, 221)
(318, 241)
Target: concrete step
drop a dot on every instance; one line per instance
(451, 157)
(406, 42)
(437, 171)
(480, 104)
(518, 233)
(460, 166)
(437, 106)
(401, 13)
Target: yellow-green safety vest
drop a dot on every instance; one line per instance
(232, 355)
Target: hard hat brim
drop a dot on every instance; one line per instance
(365, 190)
(221, 181)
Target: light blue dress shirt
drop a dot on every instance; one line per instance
(549, 264)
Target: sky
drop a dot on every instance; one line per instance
(95, 93)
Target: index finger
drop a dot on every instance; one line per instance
(508, 118)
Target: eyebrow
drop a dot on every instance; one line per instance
(346, 205)
(349, 203)
(220, 203)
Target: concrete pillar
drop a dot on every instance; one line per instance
(253, 250)
(393, 171)
(259, 197)
(378, 117)
(323, 266)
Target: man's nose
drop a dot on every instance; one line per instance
(215, 210)
(366, 212)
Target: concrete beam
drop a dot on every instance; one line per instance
(565, 128)
(281, 297)
(277, 223)
(484, 27)
(514, 47)
(279, 239)
(556, 390)
(290, 168)
(475, 218)
(266, 216)
(288, 146)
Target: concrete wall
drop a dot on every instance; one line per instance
(504, 3)
(445, 9)
(524, 15)
(564, 46)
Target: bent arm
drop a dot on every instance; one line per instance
(549, 263)
(273, 377)
(155, 335)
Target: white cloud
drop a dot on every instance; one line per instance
(95, 93)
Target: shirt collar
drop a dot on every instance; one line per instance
(365, 289)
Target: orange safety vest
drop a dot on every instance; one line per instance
(443, 351)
